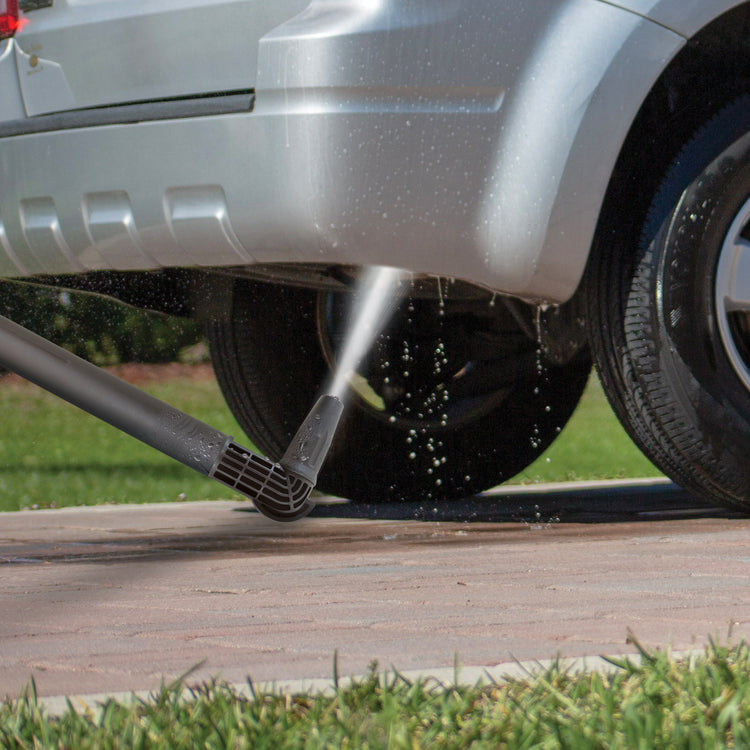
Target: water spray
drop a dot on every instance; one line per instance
(379, 290)
(280, 490)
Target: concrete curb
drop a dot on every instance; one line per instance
(444, 676)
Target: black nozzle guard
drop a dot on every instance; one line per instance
(282, 490)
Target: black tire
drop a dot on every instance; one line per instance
(656, 319)
(271, 359)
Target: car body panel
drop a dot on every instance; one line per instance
(115, 51)
(465, 139)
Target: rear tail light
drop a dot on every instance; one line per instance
(8, 18)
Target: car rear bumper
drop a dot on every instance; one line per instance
(376, 154)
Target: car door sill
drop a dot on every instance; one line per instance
(233, 102)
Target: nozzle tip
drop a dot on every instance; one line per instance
(309, 447)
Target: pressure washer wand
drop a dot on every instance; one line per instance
(279, 490)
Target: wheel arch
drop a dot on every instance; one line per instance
(686, 17)
(711, 70)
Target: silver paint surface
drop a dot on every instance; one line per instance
(470, 139)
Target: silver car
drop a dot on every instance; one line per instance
(562, 178)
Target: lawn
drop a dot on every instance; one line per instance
(54, 455)
(592, 445)
(699, 702)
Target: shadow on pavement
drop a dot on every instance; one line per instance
(504, 516)
(599, 504)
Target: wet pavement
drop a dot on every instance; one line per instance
(121, 598)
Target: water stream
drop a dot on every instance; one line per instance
(380, 289)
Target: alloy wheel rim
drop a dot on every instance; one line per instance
(430, 408)
(732, 294)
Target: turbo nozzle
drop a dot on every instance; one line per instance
(306, 453)
(281, 491)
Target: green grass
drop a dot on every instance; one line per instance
(699, 702)
(592, 445)
(54, 455)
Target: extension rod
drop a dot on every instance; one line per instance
(280, 490)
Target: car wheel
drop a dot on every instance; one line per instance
(670, 318)
(454, 398)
